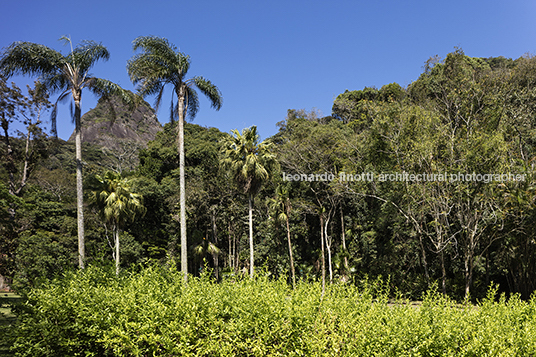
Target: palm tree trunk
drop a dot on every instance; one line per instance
(251, 258)
(79, 187)
(116, 234)
(290, 254)
(182, 200)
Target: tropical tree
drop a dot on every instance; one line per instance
(206, 246)
(281, 207)
(11, 99)
(117, 204)
(68, 75)
(251, 164)
(30, 113)
(160, 64)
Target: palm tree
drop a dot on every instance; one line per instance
(69, 75)
(117, 204)
(205, 247)
(251, 164)
(281, 207)
(159, 64)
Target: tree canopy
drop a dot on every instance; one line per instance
(423, 185)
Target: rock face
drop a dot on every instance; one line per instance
(119, 130)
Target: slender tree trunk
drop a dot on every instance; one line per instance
(10, 165)
(290, 254)
(443, 274)
(251, 257)
(424, 261)
(116, 234)
(79, 187)
(230, 247)
(487, 267)
(9, 155)
(468, 276)
(182, 200)
(24, 177)
(323, 259)
(343, 236)
(328, 246)
(215, 239)
(236, 252)
(468, 267)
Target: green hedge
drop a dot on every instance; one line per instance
(152, 313)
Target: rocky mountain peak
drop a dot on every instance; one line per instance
(119, 130)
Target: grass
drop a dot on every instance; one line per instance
(7, 320)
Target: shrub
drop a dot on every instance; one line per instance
(151, 312)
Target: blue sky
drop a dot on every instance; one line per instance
(270, 56)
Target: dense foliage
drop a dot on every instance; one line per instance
(344, 218)
(154, 313)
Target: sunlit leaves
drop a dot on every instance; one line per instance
(115, 199)
(249, 160)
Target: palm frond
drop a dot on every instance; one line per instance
(212, 249)
(173, 112)
(54, 112)
(192, 103)
(66, 40)
(210, 91)
(55, 81)
(71, 110)
(249, 161)
(160, 64)
(90, 52)
(155, 45)
(159, 61)
(184, 63)
(158, 99)
(84, 56)
(104, 88)
(112, 195)
(29, 58)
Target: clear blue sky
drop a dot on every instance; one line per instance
(270, 56)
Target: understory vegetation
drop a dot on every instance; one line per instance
(152, 312)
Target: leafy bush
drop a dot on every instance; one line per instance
(153, 313)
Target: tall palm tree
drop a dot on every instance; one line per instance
(160, 64)
(68, 75)
(281, 207)
(251, 164)
(117, 204)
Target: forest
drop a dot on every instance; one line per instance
(425, 188)
(429, 184)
